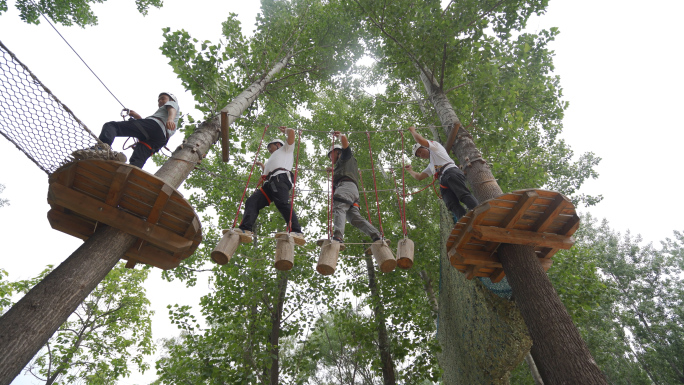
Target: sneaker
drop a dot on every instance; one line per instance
(298, 239)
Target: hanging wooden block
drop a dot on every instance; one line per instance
(226, 247)
(320, 243)
(284, 255)
(405, 253)
(298, 239)
(383, 256)
(327, 261)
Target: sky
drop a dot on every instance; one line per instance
(619, 63)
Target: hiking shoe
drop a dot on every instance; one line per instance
(298, 238)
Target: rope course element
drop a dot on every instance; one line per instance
(35, 121)
(375, 184)
(250, 176)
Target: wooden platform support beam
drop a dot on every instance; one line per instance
(522, 237)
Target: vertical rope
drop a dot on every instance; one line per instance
(330, 200)
(403, 184)
(250, 176)
(365, 197)
(401, 213)
(294, 181)
(375, 184)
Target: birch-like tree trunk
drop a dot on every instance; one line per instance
(388, 377)
(560, 353)
(28, 325)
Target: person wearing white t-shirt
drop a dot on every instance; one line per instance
(277, 184)
(452, 181)
(152, 132)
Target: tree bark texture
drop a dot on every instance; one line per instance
(388, 377)
(28, 325)
(561, 355)
(276, 317)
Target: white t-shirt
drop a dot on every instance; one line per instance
(439, 158)
(162, 115)
(281, 158)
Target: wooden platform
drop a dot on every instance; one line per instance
(86, 193)
(540, 218)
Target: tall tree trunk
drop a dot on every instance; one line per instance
(27, 326)
(559, 351)
(388, 377)
(276, 317)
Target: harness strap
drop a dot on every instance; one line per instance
(439, 170)
(355, 203)
(266, 195)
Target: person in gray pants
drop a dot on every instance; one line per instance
(346, 192)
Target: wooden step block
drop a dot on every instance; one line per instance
(327, 261)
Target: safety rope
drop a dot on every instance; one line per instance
(294, 182)
(365, 197)
(403, 184)
(375, 184)
(332, 192)
(250, 176)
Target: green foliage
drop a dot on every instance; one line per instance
(67, 12)
(3, 202)
(109, 331)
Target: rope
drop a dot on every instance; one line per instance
(365, 197)
(250, 176)
(294, 182)
(401, 213)
(375, 184)
(403, 184)
(332, 192)
(79, 56)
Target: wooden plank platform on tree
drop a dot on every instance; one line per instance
(543, 219)
(89, 193)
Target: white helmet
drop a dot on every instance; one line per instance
(416, 147)
(170, 95)
(335, 147)
(275, 141)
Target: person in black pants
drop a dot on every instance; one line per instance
(152, 133)
(452, 181)
(277, 177)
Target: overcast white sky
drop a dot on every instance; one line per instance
(620, 64)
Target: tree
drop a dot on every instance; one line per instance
(67, 12)
(504, 84)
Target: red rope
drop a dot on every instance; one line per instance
(365, 197)
(403, 185)
(294, 182)
(250, 176)
(375, 184)
(330, 201)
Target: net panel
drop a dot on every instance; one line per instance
(34, 120)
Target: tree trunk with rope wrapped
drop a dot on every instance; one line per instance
(27, 326)
(560, 353)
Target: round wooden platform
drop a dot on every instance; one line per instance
(540, 218)
(85, 193)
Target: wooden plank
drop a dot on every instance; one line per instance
(482, 258)
(467, 233)
(497, 275)
(519, 210)
(131, 264)
(571, 226)
(70, 224)
(193, 228)
(119, 219)
(551, 212)
(85, 185)
(116, 189)
(94, 174)
(225, 131)
(160, 203)
(522, 237)
(153, 256)
(471, 271)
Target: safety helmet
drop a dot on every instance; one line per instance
(275, 141)
(335, 147)
(170, 95)
(416, 147)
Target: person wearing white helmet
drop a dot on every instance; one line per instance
(277, 177)
(452, 181)
(346, 192)
(152, 133)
